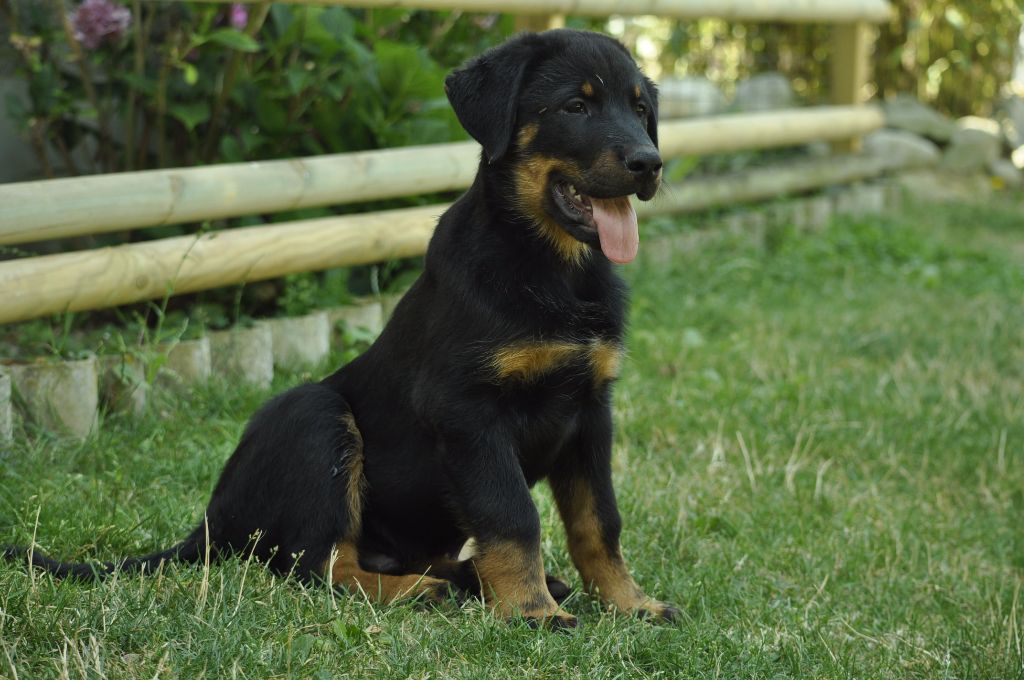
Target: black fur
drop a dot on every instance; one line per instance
(485, 95)
(449, 450)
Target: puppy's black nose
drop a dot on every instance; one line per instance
(643, 161)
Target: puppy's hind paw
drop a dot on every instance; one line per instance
(443, 591)
(557, 588)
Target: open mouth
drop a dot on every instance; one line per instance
(613, 220)
(575, 205)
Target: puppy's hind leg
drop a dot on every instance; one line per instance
(294, 487)
(343, 569)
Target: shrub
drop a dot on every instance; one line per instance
(144, 85)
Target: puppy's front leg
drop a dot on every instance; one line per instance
(494, 503)
(582, 486)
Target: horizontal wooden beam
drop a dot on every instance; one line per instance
(825, 11)
(48, 209)
(105, 277)
(767, 182)
(93, 279)
(766, 129)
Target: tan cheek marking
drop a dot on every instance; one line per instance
(526, 135)
(530, 360)
(531, 185)
(587, 89)
(605, 361)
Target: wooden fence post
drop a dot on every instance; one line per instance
(539, 22)
(851, 68)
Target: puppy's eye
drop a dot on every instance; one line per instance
(576, 106)
(641, 110)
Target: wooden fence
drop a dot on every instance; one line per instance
(91, 279)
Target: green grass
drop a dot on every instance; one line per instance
(819, 458)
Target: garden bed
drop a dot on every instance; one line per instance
(56, 391)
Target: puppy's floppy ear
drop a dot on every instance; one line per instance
(485, 95)
(652, 116)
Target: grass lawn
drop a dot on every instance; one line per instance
(819, 458)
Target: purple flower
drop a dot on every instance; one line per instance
(238, 16)
(97, 21)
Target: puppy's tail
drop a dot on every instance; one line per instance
(190, 550)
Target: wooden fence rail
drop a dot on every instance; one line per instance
(794, 11)
(105, 203)
(93, 279)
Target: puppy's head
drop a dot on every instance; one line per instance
(576, 122)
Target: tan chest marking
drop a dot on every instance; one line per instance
(528, 361)
(605, 361)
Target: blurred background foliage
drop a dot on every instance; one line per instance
(194, 83)
(957, 55)
(191, 83)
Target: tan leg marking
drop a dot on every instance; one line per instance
(512, 581)
(343, 566)
(353, 466)
(602, 569)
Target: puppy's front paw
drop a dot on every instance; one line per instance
(658, 612)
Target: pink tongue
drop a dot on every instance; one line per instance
(617, 228)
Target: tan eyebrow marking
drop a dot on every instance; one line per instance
(588, 89)
(526, 135)
(636, 91)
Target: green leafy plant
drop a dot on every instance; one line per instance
(186, 83)
(299, 295)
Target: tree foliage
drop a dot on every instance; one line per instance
(957, 54)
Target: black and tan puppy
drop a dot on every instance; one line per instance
(494, 373)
